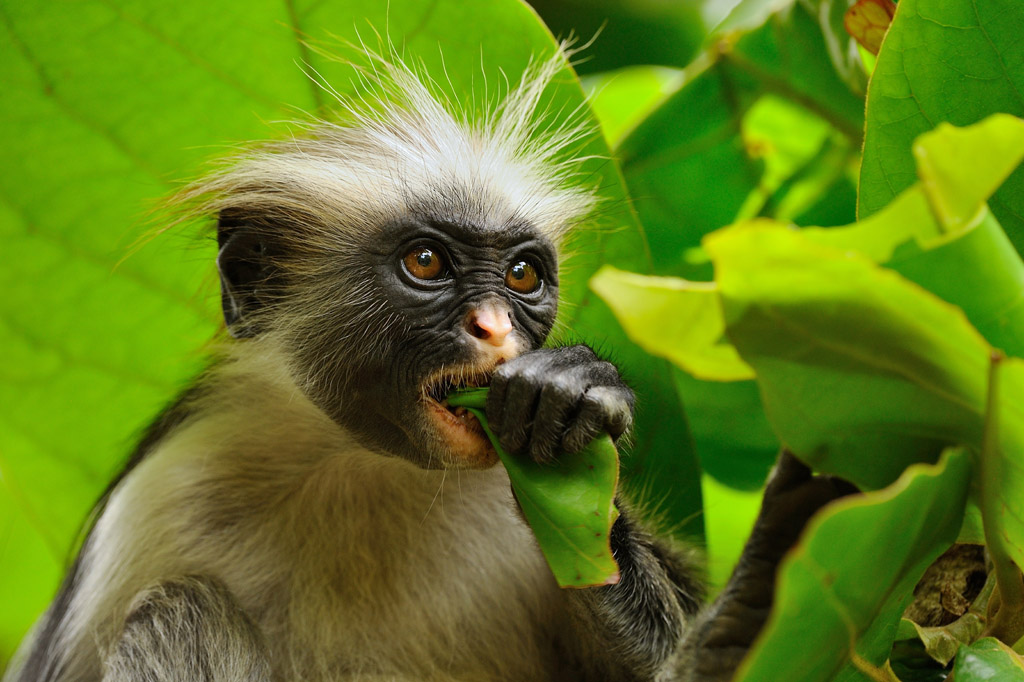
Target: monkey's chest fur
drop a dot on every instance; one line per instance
(351, 564)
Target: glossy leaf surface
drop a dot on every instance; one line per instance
(988, 659)
(942, 61)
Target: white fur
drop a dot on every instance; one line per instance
(405, 143)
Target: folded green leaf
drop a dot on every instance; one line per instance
(569, 504)
(862, 372)
(1002, 486)
(675, 319)
(942, 643)
(960, 168)
(842, 588)
(939, 233)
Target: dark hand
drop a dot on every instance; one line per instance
(557, 399)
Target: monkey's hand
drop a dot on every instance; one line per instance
(557, 399)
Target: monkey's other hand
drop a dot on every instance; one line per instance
(557, 399)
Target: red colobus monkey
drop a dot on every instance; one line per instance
(311, 509)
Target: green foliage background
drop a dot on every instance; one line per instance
(841, 341)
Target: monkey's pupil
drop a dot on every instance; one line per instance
(519, 271)
(425, 258)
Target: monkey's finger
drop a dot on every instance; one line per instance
(618, 409)
(603, 409)
(587, 425)
(495, 408)
(517, 412)
(558, 400)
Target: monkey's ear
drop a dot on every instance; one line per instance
(246, 274)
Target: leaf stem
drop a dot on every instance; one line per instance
(781, 87)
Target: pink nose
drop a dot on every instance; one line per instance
(490, 324)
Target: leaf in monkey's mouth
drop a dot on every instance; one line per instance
(569, 503)
(440, 385)
(457, 424)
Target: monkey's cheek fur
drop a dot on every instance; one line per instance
(467, 444)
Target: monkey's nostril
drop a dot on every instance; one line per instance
(489, 323)
(479, 332)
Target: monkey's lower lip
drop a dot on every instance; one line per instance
(463, 433)
(458, 427)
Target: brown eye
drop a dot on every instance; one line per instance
(423, 263)
(522, 278)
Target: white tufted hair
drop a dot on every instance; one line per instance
(404, 145)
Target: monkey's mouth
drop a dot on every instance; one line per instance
(459, 429)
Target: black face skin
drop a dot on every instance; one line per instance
(372, 354)
(382, 347)
(435, 313)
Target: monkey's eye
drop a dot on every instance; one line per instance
(522, 278)
(424, 263)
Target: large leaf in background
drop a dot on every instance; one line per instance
(1002, 486)
(779, 272)
(628, 32)
(842, 588)
(942, 61)
(674, 318)
(941, 226)
(696, 163)
(106, 107)
(696, 134)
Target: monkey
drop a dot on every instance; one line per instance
(311, 508)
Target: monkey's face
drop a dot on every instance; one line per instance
(382, 331)
(456, 300)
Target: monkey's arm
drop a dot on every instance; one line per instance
(717, 640)
(627, 631)
(189, 629)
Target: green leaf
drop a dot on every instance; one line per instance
(842, 48)
(690, 171)
(942, 643)
(941, 226)
(682, 322)
(659, 466)
(843, 586)
(960, 168)
(824, 328)
(803, 158)
(1002, 503)
(622, 99)
(789, 57)
(694, 134)
(675, 319)
(734, 438)
(569, 503)
(988, 659)
(980, 272)
(942, 61)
